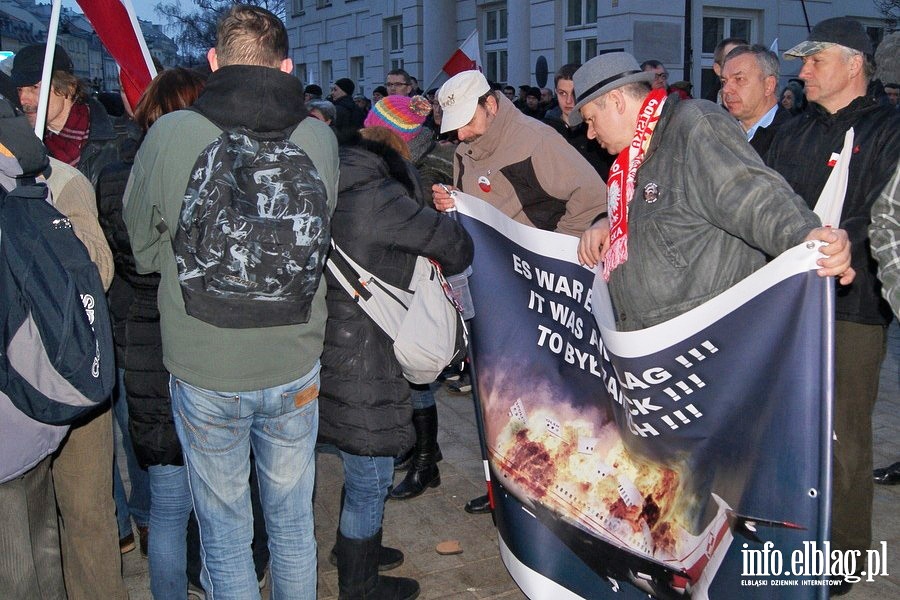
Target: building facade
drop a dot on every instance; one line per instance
(25, 22)
(364, 39)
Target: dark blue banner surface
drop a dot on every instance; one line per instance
(686, 460)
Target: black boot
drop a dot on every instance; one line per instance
(402, 462)
(358, 577)
(388, 558)
(423, 472)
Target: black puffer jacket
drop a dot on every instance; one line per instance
(133, 306)
(382, 223)
(801, 152)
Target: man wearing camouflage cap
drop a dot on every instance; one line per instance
(838, 64)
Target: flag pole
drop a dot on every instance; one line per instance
(145, 51)
(44, 97)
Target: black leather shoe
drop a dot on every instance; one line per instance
(478, 506)
(887, 475)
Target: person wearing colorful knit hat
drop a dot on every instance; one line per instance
(403, 114)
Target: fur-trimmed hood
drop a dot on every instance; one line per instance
(358, 166)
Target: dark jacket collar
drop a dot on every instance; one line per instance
(859, 105)
(261, 99)
(101, 127)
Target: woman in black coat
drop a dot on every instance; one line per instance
(364, 405)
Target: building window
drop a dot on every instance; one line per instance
(581, 13)
(327, 73)
(717, 28)
(358, 72)
(581, 50)
(495, 24)
(300, 71)
(297, 7)
(719, 24)
(496, 66)
(323, 3)
(393, 33)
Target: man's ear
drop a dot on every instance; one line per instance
(287, 66)
(618, 96)
(857, 64)
(212, 59)
(492, 102)
(771, 85)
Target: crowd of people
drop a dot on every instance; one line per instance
(220, 425)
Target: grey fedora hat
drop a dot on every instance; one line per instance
(602, 74)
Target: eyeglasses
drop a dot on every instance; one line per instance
(395, 84)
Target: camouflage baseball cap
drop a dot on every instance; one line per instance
(840, 31)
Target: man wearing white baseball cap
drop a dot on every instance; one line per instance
(700, 215)
(515, 163)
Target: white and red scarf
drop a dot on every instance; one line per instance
(620, 184)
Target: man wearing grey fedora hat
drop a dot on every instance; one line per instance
(838, 65)
(697, 218)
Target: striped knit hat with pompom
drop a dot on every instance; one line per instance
(402, 114)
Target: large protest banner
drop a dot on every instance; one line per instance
(687, 460)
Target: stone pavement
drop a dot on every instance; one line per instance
(417, 526)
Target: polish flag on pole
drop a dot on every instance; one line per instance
(117, 26)
(467, 58)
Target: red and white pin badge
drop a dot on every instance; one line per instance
(485, 184)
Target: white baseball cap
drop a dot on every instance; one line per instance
(458, 98)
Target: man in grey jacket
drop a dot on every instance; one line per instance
(703, 210)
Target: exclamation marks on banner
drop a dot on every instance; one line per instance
(684, 388)
(682, 417)
(696, 354)
(687, 360)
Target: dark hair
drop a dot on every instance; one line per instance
(406, 78)
(652, 63)
(799, 96)
(566, 72)
(250, 35)
(719, 52)
(482, 101)
(171, 90)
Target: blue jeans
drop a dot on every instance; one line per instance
(169, 511)
(422, 396)
(137, 506)
(366, 483)
(216, 430)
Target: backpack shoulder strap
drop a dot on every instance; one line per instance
(341, 266)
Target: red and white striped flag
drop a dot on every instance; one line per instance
(466, 58)
(117, 26)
